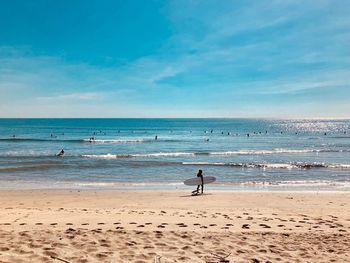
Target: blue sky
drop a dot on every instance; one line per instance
(276, 59)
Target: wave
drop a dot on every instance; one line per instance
(115, 141)
(114, 156)
(33, 154)
(256, 152)
(272, 165)
(178, 154)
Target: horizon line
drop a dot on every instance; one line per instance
(265, 118)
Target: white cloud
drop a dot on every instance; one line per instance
(210, 56)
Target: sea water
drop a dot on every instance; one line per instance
(247, 154)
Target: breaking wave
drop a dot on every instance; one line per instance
(272, 165)
(114, 156)
(224, 153)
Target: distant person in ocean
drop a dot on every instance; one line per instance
(156, 137)
(61, 153)
(200, 174)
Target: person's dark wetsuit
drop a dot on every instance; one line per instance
(200, 174)
(61, 153)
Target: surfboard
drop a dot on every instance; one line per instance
(197, 180)
(60, 154)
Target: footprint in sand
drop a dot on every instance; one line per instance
(161, 226)
(148, 247)
(264, 226)
(53, 224)
(69, 224)
(245, 226)
(140, 226)
(38, 224)
(85, 224)
(100, 223)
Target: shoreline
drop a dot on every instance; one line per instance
(178, 186)
(172, 190)
(141, 225)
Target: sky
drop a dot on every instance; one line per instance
(181, 58)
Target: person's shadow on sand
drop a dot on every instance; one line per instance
(191, 195)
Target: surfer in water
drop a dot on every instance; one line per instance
(200, 174)
(61, 153)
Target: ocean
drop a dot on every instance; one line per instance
(243, 154)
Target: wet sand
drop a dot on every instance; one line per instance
(172, 226)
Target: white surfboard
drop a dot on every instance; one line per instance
(198, 181)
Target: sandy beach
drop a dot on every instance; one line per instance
(172, 226)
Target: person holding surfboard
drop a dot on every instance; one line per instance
(200, 180)
(200, 174)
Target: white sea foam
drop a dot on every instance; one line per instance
(273, 165)
(176, 154)
(246, 165)
(111, 156)
(273, 151)
(339, 166)
(102, 156)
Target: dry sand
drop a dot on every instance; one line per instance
(141, 226)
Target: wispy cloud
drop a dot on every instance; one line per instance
(88, 96)
(230, 58)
